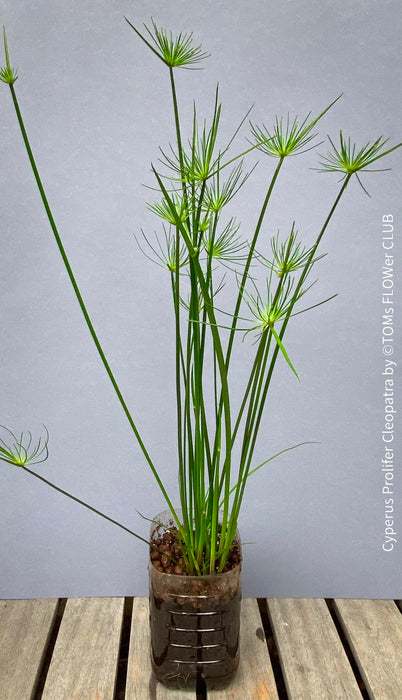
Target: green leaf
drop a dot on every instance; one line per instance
(270, 459)
(284, 353)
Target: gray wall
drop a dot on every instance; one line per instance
(97, 106)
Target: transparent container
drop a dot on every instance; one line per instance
(195, 623)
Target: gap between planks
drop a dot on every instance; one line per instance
(25, 629)
(117, 630)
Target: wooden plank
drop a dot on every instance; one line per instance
(141, 684)
(254, 679)
(25, 627)
(84, 662)
(374, 631)
(313, 660)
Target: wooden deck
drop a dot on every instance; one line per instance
(295, 649)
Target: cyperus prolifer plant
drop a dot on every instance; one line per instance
(196, 179)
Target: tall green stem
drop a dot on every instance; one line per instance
(224, 542)
(183, 421)
(262, 400)
(81, 301)
(177, 123)
(250, 258)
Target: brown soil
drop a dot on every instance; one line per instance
(167, 556)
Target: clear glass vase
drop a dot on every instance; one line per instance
(195, 623)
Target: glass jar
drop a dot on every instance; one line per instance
(195, 623)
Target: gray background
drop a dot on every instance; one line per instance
(97, 105)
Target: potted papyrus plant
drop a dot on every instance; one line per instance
(195, 554)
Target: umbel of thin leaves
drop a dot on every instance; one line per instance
(163, 210)
(196, 163)
(218, 194)
(349, 160)
(165, 254)
(288, 137)
(200, 247)
(289, 255)
(227, 247)
(268, 310)
(21, 450)
(176, 51)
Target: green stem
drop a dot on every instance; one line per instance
(186, 496)
(176, 301)
(81, 301)
(224, 541)
(253, 244)
(262, 401)
(83, 503)
(250, 258)
(177, 123)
